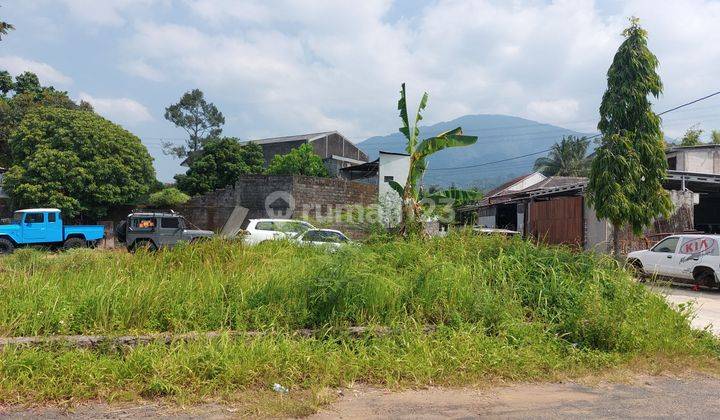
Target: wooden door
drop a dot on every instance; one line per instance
(557, 221)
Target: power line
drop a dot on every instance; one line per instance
(547, 150)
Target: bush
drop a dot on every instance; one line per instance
(300, 161)
(168, 197)
(504, 310)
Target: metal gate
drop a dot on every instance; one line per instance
(557, 221)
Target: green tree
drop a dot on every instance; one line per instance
(221, 163)
(5, 28)
(6, 82)
(419, 152)
(27, 83)
(300, 161)
(16, 102)
(199, 118)
(629, 167)
(168, 197)
(77, 161)
(715, 135)
(691, 137)
(566, 158)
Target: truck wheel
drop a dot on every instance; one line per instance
(6, 246)
(71, 243)
(705, 276)
(636, 268)
(142, 244)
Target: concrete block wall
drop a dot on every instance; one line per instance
(317, 196)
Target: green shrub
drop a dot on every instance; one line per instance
(168, 197)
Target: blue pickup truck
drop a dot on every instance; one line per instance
(45, 227)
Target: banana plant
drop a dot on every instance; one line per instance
(419, 151)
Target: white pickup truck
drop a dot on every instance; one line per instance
(687, 259)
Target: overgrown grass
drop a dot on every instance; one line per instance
(507, 309)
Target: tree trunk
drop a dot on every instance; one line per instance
(616, 241)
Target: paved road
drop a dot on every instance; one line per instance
(706, 304)
(647, 397)
(656, 397)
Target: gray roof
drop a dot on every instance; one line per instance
(299, 137)
(699, 146)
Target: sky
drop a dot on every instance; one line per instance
(282, 67)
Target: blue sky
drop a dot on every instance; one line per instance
(286, 67)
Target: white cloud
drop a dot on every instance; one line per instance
(558, 111)
(121, 110)
(289, 66)
(47, 74)
(144, 70)
(105, 12)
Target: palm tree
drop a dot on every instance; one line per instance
(566, 158)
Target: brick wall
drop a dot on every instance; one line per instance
(316, 196)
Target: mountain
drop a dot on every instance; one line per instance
(499, 137)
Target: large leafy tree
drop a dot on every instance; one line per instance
(221, 164)
(300, 161)
(566, 158)
(19, 97)
(419, 152)
(77, 161)
(198, 117)
(629, 167)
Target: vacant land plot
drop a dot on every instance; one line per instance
(503, 310)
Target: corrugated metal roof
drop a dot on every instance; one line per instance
(297, 137)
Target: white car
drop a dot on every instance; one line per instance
(261, 230)
(688, 259)
(323, 237)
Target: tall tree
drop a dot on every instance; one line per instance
(221, 164)
(300, 161)
(77, 161)
(199, 118)
(419, 152)
(715, 136)
(691, 137)
(566, 158)
(22, 96)
(629, 167)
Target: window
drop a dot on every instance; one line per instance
(667, 245)
(264, 226)
(143, 223)
(170, 223)
(324, 236)
(292, 226)
(34, 218)
(51, 217)
(389, 178)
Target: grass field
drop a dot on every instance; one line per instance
(506, 310)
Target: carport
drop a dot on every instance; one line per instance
(706, 211)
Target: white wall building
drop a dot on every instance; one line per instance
(702, 159)
(391, 167)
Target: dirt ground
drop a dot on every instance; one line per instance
(685, 397)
